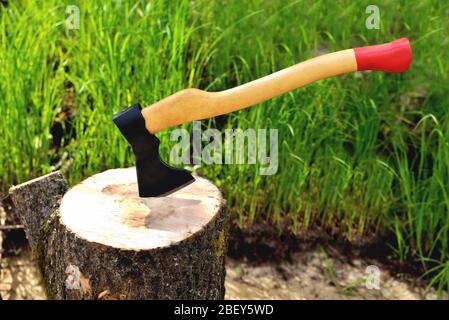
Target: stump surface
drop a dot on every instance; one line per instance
(107, 209)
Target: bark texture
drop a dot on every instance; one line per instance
(73, 267)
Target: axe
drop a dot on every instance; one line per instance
(156, 178)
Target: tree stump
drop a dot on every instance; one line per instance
(100, 240)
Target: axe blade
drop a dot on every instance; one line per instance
(155, 178)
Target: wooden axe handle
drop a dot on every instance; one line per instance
(194, 104)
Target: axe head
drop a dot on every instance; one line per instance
(154, 177)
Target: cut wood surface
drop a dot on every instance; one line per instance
(107, 209)
(100, 240)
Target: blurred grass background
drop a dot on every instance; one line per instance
(361, 153)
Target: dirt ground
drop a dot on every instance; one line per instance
(19, 278)
(314, 275)
(310, 275)
(309, 272)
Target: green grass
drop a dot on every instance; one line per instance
(357, 154)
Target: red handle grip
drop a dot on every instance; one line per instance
(394, 56)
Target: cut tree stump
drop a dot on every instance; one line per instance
(100, 240)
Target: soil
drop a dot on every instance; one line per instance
(19, 278)
(264, 264)
(312, 274)
(262, 241)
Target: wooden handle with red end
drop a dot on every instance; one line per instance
(194, 104)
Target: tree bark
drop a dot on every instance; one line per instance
(100, 240)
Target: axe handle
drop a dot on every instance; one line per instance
(194, 104)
